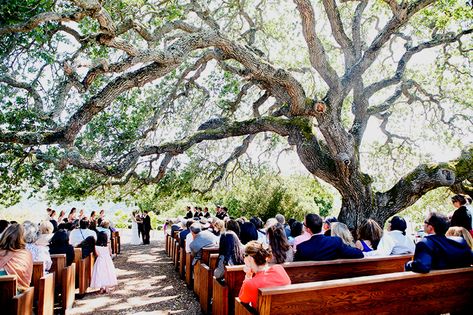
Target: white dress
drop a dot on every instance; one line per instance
(104, 275)
(135, 238)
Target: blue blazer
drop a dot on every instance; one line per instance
(321, 247)
(440, 252)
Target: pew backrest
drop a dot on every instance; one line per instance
(59, 263)
(68, 286)
(46, 295)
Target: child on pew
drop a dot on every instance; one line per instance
(103, 276)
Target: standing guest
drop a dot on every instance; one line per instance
(189, 214)
(38, 252)
(458, 232)
(230, 249)
(341, 230)
(206, 213)
(62, 217)
(369, 235)
(395, 241)
(258, 274)
(281, 250)
(461, 216)
(146, 227)
(46, 230)
(198, 212)
(81, 214)
(72, 215)
(321, 247)
(78, 235)
(101, 217)
(48, 213)
(59, 244)
(53, 220)
(3, 225)
(221, 212)
(103, 276)
(14, 258)
(327, 225)
(436, 251)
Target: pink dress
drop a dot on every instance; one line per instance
(104, 270)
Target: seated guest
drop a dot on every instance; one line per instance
(46, 229)
(282, 220)
(230, 249)
(248, 232)
(88, 246)
(296, 230)
(305, 236)
(14, 258)
(59, 244)
(38, 252)
(217, 227)
(201, 240)
(369, 235)
(259, 274)
(321, 247)
(461, 216)
(458, 232)
(78, 235)
(341, 230)
(183, 234)
(436, 251)
(281, 250)
(328, 224)
(258, 223)
(395, 241)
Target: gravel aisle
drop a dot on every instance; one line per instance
(147, 284)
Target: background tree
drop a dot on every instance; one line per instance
(97, 94)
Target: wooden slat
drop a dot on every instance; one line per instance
(197, 282)
(219, 298)
(59, 263)
(23, 303)
(68, 287)
(189, 270)
(182, 264)
(8, 289)
(77, 261)
(206, 275)
(46, 295)
(38, 273)
(84, 281)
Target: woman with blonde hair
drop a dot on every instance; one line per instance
(259, 274)
(46, 229)
(14, 258)
(460, 232)
(341, 230)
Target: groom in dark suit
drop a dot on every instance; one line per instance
(146, 227)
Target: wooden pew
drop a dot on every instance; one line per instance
(206, 276)
(201, 278)
(306, 271)
(44, 289)
(182, 259)
(115, 242)
(438, 292)
(167, 244)
(77, 261)
(189, 270)
(83, 272)
(46, 295)
(12, 303)
(68, 287)
(59, 263)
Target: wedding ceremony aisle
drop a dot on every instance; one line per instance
(147, 284)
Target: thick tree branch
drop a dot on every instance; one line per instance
(38, 102)
(317, 55)
(424, 178)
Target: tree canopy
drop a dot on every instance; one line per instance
(97, 94)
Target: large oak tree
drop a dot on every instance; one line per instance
(124, 88)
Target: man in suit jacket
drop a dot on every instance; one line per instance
(436, 251)
(321, 247)
(146, 227)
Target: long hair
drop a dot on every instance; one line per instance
(278, 242)
(260, 252)
(371, 231)
(461, 232)
(231, 247)
(13, 238)
(341, 230)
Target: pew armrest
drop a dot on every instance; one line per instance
(23, 303)
(243, 308)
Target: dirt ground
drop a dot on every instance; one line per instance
(147, 284)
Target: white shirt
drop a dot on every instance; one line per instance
(78, 235)
(189, 240)
(393, 243)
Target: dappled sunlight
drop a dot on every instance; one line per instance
(147, 284)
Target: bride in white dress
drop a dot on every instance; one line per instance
(135, 238)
